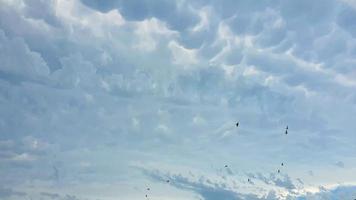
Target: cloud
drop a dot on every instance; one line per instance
(340, 164)
(172, 12)
(50, 195)
(6, 192)
(208, 189)
(18, 61)
(89, 87)
(347, 192)
(212, 189)
(283, 181)
(181, 55)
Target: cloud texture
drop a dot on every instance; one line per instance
(93, 92)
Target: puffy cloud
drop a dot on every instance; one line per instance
(334, 193)
(172, 12)
(18, 61)
(181, 55)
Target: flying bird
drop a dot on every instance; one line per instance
(286, 131)
(237, 124)
(148, 188)
(226, 166)
(279, 171)
(167, 181)
(287, 127)
(282, 164)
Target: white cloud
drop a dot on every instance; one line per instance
(183, 56)
(250, 71)
(204, 14)
(350, 2)
(77, 17)
(163, 129)
(150, 33)
(24, 157)
(199, 120)
(135, 123)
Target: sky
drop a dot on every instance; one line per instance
(100, 100)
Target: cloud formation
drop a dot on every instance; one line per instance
(89, 89)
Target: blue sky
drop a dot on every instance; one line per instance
(102, 99)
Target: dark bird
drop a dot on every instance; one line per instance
(167, 181)
(279, 171)
(148, 188)
(248, 180)
(237, 124)
(146, 195)
(287, 128)
(286, 132)
(225, 166)
(282, 164)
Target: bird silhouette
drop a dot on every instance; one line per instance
(279, 171)
(286, 132)
(237, 124)
(282, 164)
(226, 166)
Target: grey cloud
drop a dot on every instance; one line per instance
(50, 195)
(41, 10)
(7, 192)
(280, 180)
(340, 164)
(56, 196)
(206, 188)
(19, 60)
(345, 18)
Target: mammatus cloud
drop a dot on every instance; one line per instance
(89, 87)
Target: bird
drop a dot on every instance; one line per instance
(282, 164)
(237, 124)
(286, 132)
(248, 180)
(287, 128)
(279, 171)
(167, 181)
(226, 166)
(148, 188)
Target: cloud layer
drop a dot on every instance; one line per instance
(90, 90)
